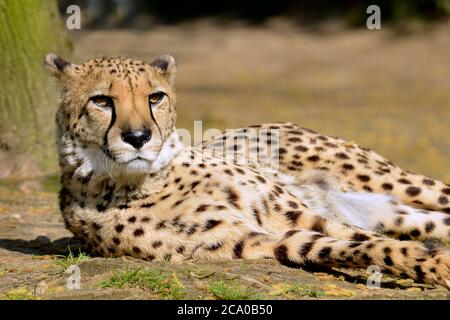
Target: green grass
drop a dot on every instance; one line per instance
(314, 293)
(155, 280)
(51, 183)
(66, 261)
(297, 290)
(227, 291)
(19, 294)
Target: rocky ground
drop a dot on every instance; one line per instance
(36, 255)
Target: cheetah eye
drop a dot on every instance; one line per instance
(103, 101)
(155, 98)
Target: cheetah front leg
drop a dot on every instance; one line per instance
(405, 259)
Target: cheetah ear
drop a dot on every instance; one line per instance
(165, 64)
(56, 65)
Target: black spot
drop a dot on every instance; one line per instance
(366, 257)
(301, 148)
(257, 215)
(428, 182)
(442, 200)
(281, 255)
(148, 205)
(119, 228)
(123, 206)
(177, 203)
(404, 237)
(232, 197)
(363, 177)
(306, 248)
(348, 166)
(150, 257)
(387, 250)
(292, 216)
(261, 179)
(136, 250)
(211, 224)
(238, 249)
(419, 273)
(161, 225)
(164, 197)
(399, 221)
(388, 261)
(192, 229)
(202, 208)
(116, 241)
(313, 158)
(96, 226)
(132, 219)
(228, 171)
(360, 237)
(404, 251)
(413, 191)
(157, 244)
(342, 155)
(446, 191)
(138, 232)
(290, 233)
(324, 253)
(293, 204)
(415, 233)
(101, 207)
(387, 186)
(404, 181)
(370, 245)
(429, 226)
(318, 225)
(214, 246)
(447, 221)
(180, 249)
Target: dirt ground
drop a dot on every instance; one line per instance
(35, 252)
(388, 92)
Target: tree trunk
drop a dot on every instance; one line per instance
(28, 30)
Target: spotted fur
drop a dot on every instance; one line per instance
(166, 201)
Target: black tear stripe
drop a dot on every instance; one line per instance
(154, 120)
(105, 148)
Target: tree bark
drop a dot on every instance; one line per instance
(28, 30)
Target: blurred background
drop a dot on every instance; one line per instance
(243, 62)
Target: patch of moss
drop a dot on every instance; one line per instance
(155, 280)
(19, 294)
(230, 291)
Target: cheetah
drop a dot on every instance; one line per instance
(130, 187)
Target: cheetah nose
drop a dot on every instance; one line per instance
(137, 138)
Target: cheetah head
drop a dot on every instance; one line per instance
(116, 115)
